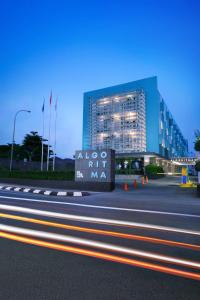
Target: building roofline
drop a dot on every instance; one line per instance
(121, 84)
(129, 154)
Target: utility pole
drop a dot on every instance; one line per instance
(13, 137)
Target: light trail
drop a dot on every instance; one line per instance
(104, 256)
(104, 207)
(96, 220)
(102, 232)
(99, 245)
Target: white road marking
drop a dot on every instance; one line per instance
(45, 213)
(77, 194)
(1, 187)
(26, 190)
(17, 189)
(36, 191)
(61, 193)
(105, 207)
(47, 192)
(8, 188)
(99, 245)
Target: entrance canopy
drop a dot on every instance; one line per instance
(184, 161)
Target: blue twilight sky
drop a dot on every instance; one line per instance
(76, 46)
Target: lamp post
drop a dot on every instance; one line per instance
(13, 138)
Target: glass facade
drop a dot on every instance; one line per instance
(131, 118)
(171, 140)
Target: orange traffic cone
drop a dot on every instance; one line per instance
(125, 187)
(142, 180)
(135, 183)
(147, 179)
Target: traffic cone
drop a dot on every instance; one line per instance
(125, 187)
(147, 179)
(142, 180)
(135, 183)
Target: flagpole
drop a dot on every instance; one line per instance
(54, 157)
(42, 154)
(49, 139)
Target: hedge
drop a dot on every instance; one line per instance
(57, 175)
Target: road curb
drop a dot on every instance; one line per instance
(43, 192)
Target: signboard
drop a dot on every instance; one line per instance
(95, 165)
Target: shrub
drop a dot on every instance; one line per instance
(153, 170)
(57, 175)
(197, 166)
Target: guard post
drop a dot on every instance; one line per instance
(184, 175)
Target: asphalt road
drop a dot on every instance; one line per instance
(140, 244)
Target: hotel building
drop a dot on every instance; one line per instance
(133, 119)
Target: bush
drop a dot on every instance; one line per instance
(197, 166)
(197, 145)
(57, 175)
(153, 170)
(128, 172)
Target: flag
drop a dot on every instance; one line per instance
(56, 104)
(43, 106)
(50, 100)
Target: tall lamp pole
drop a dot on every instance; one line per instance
(13, 138)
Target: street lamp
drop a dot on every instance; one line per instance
(13, 139)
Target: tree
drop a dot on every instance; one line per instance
(197, 166)
(32, 145)
(30, 149)
(4, 151)
(197, 134)
(197, 148)
(197, 140)
(197, 145)
(18, 151)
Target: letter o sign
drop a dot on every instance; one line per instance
(103, 154)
